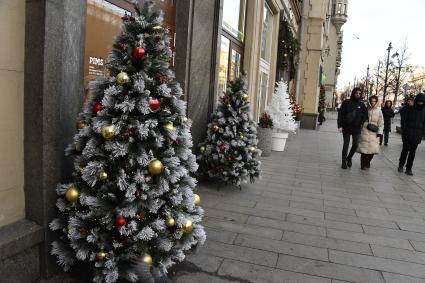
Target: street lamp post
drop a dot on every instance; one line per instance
(386, 71)
(367, 83)
(397, 83)
(377, 77)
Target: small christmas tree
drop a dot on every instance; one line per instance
(131, 203)
(265, 121)
(280, 109)
(230, 150)
(322, 105)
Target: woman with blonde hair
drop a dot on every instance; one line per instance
(371, 132)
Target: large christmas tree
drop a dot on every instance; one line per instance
(131, 202)
(280, 109)
(229, 151)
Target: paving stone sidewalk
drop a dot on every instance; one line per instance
(307, 220)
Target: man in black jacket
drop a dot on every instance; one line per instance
(351, 116)
(412, 131)
(388, 113)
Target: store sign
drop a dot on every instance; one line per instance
(96, 61)
(95, 66)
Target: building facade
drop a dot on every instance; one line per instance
(336, 16)
(53, 48)
(320, 59)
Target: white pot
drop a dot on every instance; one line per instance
(279, 141)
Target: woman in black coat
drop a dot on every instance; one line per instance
(388, 113)
(412, 131)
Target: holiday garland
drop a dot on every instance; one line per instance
(322, 100)
(288, 49)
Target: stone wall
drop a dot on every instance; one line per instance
(12, 34)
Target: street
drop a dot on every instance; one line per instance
(307, 220)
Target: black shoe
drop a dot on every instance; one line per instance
(386, 144)
(400, 169)
(409, 172)
(349, 163)
(344, 166)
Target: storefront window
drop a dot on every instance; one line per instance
(232, 46)
(265, 61)
(103, 24)
(266, 39)
(223, 67)
(235, 65)
(234, 18)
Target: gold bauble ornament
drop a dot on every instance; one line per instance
(169, 126)
(142, 215)
(80, 125)
(103, 176)
(197, 199)
(155, 167)
(101, 255)
(216, 128)
(72, 194)
(77, 147)
(252, 149)
(244, 97)
(108, 132)
(122, 78)
(242, 136)
(202, 149)
(170, 222)
(188, 226)
(146, 258)
(228, 105)
(184, 119)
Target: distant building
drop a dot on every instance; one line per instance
(321, 42)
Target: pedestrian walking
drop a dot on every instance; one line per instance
(351, 116)
(388, 113)
(371, 132)
(412, 132)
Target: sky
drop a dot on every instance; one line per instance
(371, 25)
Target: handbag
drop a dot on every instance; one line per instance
(372, 127)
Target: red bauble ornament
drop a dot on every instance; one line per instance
(139, 52)
(97, 107)
(222, 148)
(120, 221)
(229, 158)
(154, 104)
(162, 78)
(127, 133)
(122, 45)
